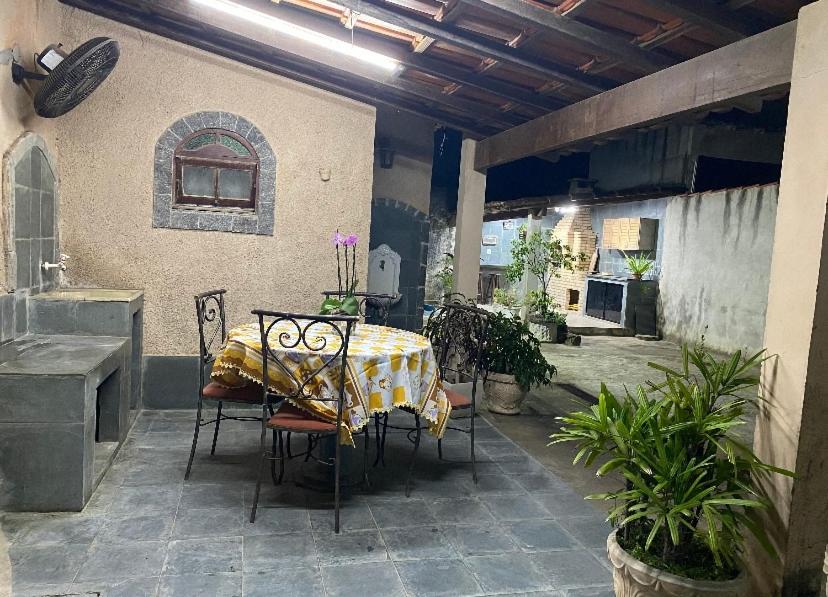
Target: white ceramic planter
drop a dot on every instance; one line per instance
(632, 578)
(503, 395)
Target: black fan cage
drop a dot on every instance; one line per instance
(74, 79)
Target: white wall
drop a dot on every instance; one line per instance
(715, 266)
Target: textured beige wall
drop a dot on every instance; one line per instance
(106, 152)
(408, 181)
(31, 24)
(412, 138)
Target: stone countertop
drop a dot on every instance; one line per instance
(615, 278)
(59, 355)
(89, 294)
(609, 278)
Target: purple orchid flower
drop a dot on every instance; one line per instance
(351, 240)
(338, 239)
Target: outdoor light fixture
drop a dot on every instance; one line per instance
(569, 209)
(302, 33)
(385, 154)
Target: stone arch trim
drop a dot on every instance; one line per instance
(409, 209)
(14, 177)
(164, 215)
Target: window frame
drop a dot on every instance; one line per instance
(218, 157)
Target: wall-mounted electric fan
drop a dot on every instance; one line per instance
(71, 78)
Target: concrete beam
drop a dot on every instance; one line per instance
(756, 65)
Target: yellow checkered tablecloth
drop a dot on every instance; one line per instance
(387, 368)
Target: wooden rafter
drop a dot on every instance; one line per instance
(451, 34)
(595, 40)
(463, 76)
(705, 13)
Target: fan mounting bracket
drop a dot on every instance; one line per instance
(20, 74)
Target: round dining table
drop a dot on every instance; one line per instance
(386, 368)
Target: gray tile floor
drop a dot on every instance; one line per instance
(146, 531)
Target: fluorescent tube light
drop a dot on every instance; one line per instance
(302, 33)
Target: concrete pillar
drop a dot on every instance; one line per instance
(792, 427)
(471, 195)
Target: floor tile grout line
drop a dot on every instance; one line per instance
(172, 530)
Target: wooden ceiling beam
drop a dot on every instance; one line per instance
(480, 110)
(596, 41)
(274, 60)
(572, 8)
(725, 23)
(456, 36)
(754, 66)
(509, 91)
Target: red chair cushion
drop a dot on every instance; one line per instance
(290, 418)
(286, 409)
(250, 393)
(456, 399)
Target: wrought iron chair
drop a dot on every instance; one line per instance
(212, 333)
(374, 307)
(302, 330)
(458, 332)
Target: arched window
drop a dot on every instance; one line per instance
(215, 168)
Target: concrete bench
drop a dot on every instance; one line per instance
(64, 407)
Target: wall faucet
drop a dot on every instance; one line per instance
(61, 264)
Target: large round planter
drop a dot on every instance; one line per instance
(503, 395)
(632, 578)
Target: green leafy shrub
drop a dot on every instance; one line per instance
(543, 256)
(446, 273)
(691, 486)
(507, 298)
(511, 349)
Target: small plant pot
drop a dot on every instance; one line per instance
(503, 395)
(636, 276)
(633, 578)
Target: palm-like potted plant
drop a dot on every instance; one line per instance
(638, 265)
(691, 487)
(513, 363)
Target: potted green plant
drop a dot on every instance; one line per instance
(691, 487)
(507, 299)
(544, 256)
(638, 265)
(513, 363)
